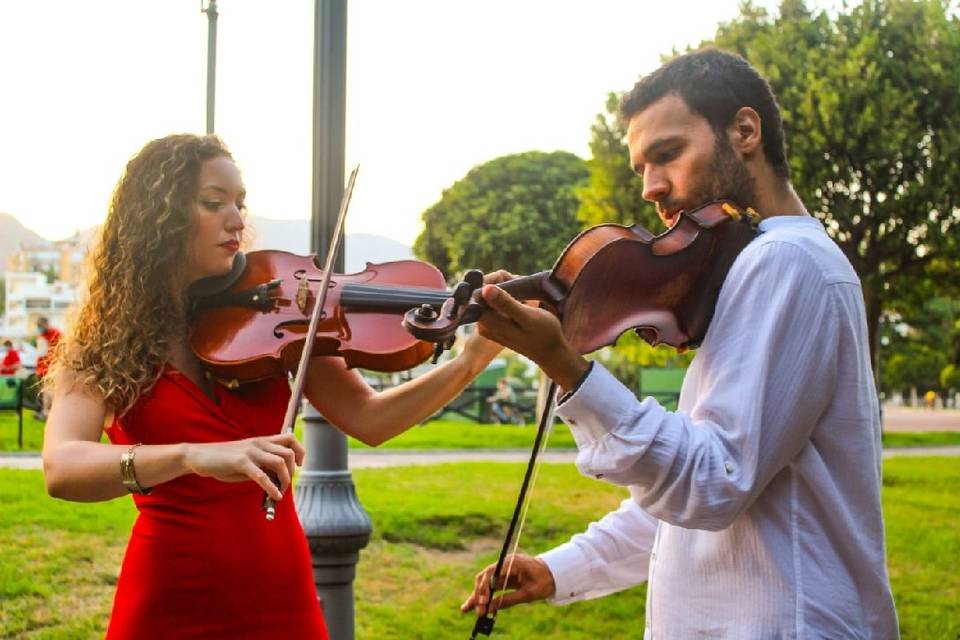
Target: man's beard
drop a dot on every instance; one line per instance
(725, 179)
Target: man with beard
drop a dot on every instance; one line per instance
(754, 509)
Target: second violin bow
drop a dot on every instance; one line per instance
(269, 504)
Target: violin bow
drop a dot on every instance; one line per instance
(293, 407)
(484, 624)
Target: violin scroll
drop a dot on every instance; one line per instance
(466, 306)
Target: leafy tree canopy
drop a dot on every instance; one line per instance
(613, 193)
(871, 109)
(872, 114)
(516, 212)
(922, 350)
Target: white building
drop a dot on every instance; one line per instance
(41, 282)
(61, 260)
(29, 297)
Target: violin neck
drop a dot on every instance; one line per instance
(390, 298)
(537, 286)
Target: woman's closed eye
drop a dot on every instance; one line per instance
(215, 206)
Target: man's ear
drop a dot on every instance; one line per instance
(745, 132)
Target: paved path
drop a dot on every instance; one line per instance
(911, 419)
(387, 458)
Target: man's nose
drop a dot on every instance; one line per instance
(655, 185)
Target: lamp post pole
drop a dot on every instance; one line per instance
(334, 521)
(210, 8)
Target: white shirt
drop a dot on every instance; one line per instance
(755, 508)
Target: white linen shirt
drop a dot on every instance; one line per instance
(755, 508)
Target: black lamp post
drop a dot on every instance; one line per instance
(333, 519)
(209, 7)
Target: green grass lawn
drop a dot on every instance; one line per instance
(452, 434)
(921, 439)
(32, 431)
(449, 434)
(434, 528)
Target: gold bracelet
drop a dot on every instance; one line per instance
(128, 474)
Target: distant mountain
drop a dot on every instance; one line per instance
(12, 233)
(288, 235)
(294, 236)
(362, 248)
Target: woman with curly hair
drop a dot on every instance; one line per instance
(202, 561)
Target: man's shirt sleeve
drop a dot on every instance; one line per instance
(766, 373)
(611, 555)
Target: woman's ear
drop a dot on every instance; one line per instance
(745, 132)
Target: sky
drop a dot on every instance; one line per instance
(434, 88)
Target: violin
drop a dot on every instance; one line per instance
(252, 323)
(613, 278)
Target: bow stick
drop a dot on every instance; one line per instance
(293, 407)
(484, 624)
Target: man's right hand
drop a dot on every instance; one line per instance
(530, 579)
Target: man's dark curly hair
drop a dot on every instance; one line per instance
(715, 84)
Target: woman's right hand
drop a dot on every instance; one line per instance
(249, 459)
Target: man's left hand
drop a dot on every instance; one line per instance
(533, 332)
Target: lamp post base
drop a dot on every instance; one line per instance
(334, 521)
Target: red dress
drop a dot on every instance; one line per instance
(202, 561)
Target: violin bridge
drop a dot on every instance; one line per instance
(303, 295)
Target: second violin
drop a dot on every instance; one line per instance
(255, 327)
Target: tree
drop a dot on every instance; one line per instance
(613, 193)
(919, 349)
(872, 114)
(516, 212)
(923, 349)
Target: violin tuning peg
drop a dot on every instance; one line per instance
(426, 313)
(474, 277)
(462, 292)
(461, 295)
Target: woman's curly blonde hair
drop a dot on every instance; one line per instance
(135, 299)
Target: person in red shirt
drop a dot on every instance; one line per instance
(11, 359)
(51, 336)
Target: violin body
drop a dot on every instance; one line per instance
(257, 327)
(664, 287)
(613, 278)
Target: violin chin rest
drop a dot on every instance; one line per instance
(218, 284)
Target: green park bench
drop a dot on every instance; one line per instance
(12, 399)
(663, 384)
(17, 394)
(473, 402)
